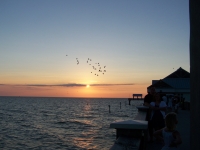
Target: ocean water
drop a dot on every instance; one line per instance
(61, 123)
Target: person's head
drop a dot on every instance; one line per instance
(171, 120)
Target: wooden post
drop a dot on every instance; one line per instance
(194, 9)
(129, 101)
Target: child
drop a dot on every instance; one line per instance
(169, 135)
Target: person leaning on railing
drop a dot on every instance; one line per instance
(158, 109)
(150, 97)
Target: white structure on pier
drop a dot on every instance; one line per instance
(177, 83)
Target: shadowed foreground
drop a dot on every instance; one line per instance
(183, 127)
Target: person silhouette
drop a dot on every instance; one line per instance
(168, 135)
(158, 109)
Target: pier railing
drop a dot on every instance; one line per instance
(132, 134)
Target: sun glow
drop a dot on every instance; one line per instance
(87, 86)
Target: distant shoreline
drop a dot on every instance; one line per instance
(135, 99)
(67, 97)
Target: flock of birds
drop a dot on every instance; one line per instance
(97, 68)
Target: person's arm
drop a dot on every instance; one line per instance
(152, 106)
(177, 140)
(163, 106)
(177, 136)
(146, 104)
(158, 135)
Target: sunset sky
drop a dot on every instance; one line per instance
(45, 46)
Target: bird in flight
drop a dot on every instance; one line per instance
(95, 66)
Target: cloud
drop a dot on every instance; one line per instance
(79, 85)
(111, 84)
(70, 85)
(67, 85)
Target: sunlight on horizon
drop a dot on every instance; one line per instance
(60, 91)
(78, 50)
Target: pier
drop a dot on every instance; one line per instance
(135, 97)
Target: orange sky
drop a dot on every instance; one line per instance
(110, 91)
(57, 48)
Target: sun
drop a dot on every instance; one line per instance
(87, 86)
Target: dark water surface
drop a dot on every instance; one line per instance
(61, 123)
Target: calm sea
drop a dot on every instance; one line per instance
(61, 123)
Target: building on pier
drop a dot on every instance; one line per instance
(176, 83)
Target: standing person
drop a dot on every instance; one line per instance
(149, 97)
(170, 102)
(176, 104)
(157, 115)
(147, 100)
(164, 98)
(169, 135)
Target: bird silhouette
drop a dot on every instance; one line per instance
(95, 66)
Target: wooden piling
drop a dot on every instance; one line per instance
(109, 108)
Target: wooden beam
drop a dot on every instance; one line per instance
(194, 12)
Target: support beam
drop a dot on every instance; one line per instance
(194, 10)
